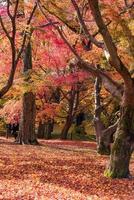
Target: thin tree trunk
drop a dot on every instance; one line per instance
(73, 104)
(49, 129)
(41, 130)
(103, 145)
(45, 129)
(66, 128)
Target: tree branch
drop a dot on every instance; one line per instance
(84, 27)
(115, 60)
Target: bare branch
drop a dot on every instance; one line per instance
(4, 29)
(84, 27)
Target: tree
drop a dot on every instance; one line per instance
(9, 12)
(48, 97)
(27, 122)
(104, 136)
(73, 101)
(122, 147)
(123, 144)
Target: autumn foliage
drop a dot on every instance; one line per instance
(61, 61)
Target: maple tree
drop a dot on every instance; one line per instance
(122, 147)
(99, 36)
(10, 18)
(74, 101)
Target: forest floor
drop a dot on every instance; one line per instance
(58, 170)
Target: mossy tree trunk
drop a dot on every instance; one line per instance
(124, 137)
(122, 147)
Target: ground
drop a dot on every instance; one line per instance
(58, 170)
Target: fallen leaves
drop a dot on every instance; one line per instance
(58, 170)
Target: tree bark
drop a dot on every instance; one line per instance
(27, 128)
(45, 129)
(73, 102)
(66, 128)
(50, 126)
(103, 145)
(122, 147)
(27, 124)
(41, 130)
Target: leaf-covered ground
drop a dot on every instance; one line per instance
(58, 170)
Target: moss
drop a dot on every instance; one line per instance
(121, 150)
(111, 174)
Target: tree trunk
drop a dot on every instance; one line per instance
(27, 127)
(103, 147)
(66, 128)
(41, 130)
(8, 130)
(49, 129)
(103, 140)
(73, 104)
(45, 129)
(80, 118)
(122, 147)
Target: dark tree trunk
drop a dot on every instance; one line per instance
(27, 125)
(50, 127)
(41, 130)
(80, 118)
(66, 128)
(27, 128)
(8, 130)
(122, 147)
(73, 104)
(56, 95)
(28, 57)
(45, 129)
